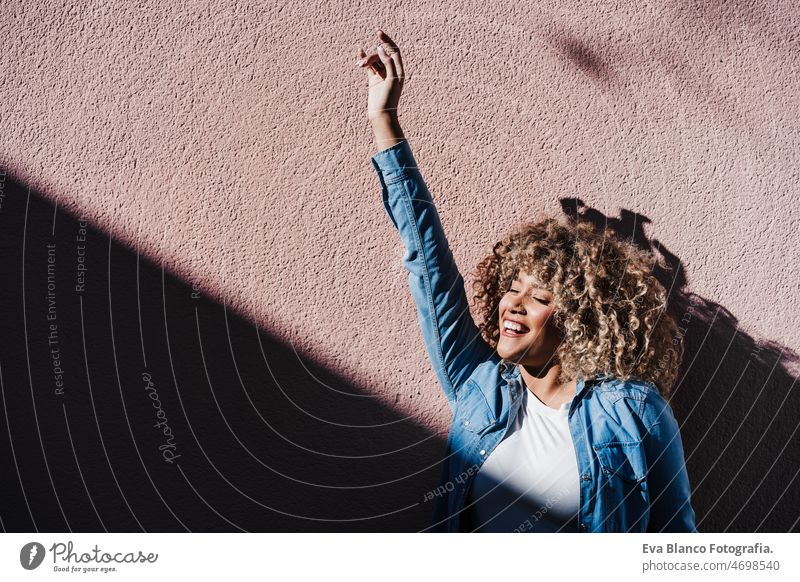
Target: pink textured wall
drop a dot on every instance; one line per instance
(228, 140)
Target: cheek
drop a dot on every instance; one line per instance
(543, 318)
(502, 307)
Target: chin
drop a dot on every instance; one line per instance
(508, 354)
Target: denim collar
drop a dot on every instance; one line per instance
(508, 370)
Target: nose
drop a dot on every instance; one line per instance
(517, 307)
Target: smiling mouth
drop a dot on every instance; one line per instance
(508, 331)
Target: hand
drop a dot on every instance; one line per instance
(385, 78)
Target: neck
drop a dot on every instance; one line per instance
(544, 381)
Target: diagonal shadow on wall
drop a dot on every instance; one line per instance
(133, 403)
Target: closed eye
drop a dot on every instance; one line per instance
(539, 299)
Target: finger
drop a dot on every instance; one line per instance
(371, 63)
(366, 60)
(387, 39)
(387, 62)
(398, 65)
(394, 53)
(362, 58)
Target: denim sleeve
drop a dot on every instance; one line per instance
(452, 339)
(667, 478)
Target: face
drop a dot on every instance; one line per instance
(531, 305)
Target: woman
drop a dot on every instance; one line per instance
(559, 418)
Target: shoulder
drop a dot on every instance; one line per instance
(488, 378)
(490, 374)
(651, 407)
(633, 387)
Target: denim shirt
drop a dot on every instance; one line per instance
(627, 442)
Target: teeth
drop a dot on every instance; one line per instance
(512, 325)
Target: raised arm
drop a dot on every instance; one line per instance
(452, 339)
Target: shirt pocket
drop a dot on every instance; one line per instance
(625, 498)
(473, 411)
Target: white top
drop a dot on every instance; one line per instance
(530, 482)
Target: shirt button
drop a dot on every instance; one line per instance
(586, 477)
(483, 452)
(466, 423)
(584, 527)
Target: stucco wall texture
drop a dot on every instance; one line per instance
(228, 141)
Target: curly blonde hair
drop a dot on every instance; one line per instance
(609, 306)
